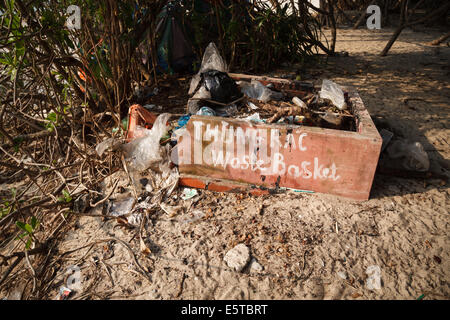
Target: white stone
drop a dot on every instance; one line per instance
(238, 257)
(255, 266)
(342, 274)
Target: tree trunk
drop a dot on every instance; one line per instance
(331, 4)
(432, 15)
(398, 31)
(363, 15)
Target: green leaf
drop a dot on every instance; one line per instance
(21, 225)
(28, 228)
(67, 197)
(52, 117)
(28, 245)
(34, 222)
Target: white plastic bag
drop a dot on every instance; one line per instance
(110, 143)
(145, 150)
(332, 91)
(121, 208)
(415, 157)
(212, 60)
(256, 90)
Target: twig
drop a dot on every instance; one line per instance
(33, 273)
(93, 205)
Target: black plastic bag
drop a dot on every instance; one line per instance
(221, 86)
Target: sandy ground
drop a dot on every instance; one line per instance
(312, 246)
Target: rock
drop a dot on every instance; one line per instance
(238, 257)
(255, 266)
(342, 274)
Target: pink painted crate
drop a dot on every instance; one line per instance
(222, 152)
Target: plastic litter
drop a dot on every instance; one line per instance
(188, 193)
(414, 156)
(333, 92)
(254, 117)
(110, 143)
(220, 85)
(63, 294)
(182, 122)
(256, 90)
(174, 49)
(212, 81)
(121, 208)
(206, 111)
(373, 282)
(211, 61)
(144, 151)
(297, 101)
(252, 106)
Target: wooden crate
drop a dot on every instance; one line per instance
(221, 154)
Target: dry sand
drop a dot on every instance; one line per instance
(307, 243)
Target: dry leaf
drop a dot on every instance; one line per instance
(356, 295)
(144, 249)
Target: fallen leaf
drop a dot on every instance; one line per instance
(144, 249)
(428, 244)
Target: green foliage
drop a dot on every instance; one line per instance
(254, 38)
(7, 207)
(29, 229)
(66, 197)
(52, 121)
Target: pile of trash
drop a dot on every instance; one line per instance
(152, 175)
(214, 93)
